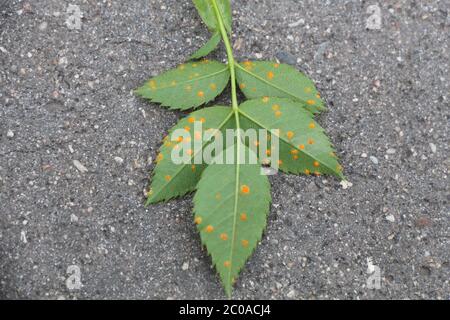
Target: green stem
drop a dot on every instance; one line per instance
(229, 49)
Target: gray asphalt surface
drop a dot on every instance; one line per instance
(65, 96)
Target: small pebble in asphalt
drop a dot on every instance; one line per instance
(80, 166)
(10, 134)
(119, 160)
(185, 266)
(390, 218)
(286, 57)
(390, 151)
(374, 160)
(433, 147)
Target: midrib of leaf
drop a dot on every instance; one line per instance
(235, 107)
(197, 79)
(222, 124)
(269, 83)
(283, 139)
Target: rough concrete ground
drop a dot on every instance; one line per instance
(65, 95)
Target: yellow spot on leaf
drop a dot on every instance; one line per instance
(198, 220)
(268, 152)
(182, 67)
(159, 158)
(173, 83)
(294, 151)
(213, 86)
(311, 102)
(188, 88)
(278, 114)
(194, 65)
(318, 96)
(265, 99)
(275, 107)
(193, 168)
(308, 90)
(310, 141)
(295, 157)
(244, 243)
(218, 196)
(307, 172)
(312, 125)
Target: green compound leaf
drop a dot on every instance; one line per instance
(172, 180)
(231, 206)
(210, 46)
(259, 79)
(206, 11)
(304, 147)
(188, 86)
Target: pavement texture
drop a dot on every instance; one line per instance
(66, 95)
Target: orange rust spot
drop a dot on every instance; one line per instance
(244, 243)
(224, 236)
(280, 162)
(209, 229)
(278, 114)
(180, 139)
(295, 157)
(307, 172)
(242, 86)
(302, 147)
(191, 120)
(160, 157)
(311, 102)
(290, 134)
(294, 151)
(312, 125)
(168, 178)
(245, 189)
(227, 264)
(193, 168)
(276, 65)
(243, 217)
(187, 128)
(201, 94)
(268, 152)
(275, 107)
(270, 75)
(202, 120)
(316, 164)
